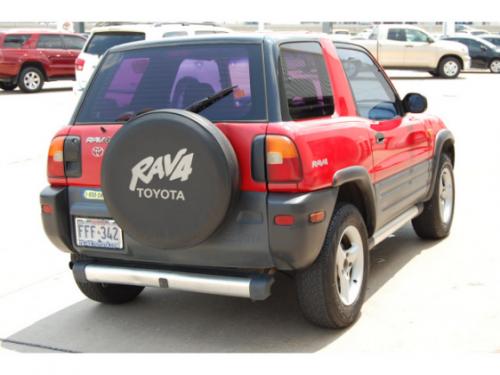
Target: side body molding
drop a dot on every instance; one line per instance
(360, 176)
(443, 137)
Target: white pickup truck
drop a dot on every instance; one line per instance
(410, 47)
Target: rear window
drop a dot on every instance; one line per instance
(101, 42)
(135, 81)
(15, 40)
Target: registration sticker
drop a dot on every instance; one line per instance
(95, 195)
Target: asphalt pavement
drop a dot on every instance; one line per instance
(430, 296)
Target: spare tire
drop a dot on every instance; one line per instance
(169, 178)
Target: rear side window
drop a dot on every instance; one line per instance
(172, 34)
(135, 81)
(15, 40)
(101, 42)
(397, 35)
(73, 42)
(373, 95)
(306, 82)
(50, 42)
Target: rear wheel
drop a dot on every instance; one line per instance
(332, 290)
(7, 86)
(435, 220)
(31, 80)
(495, 66)
(109, 293)
(449, 67)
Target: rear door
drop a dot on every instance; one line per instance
(73, 45)
(400, 142)
(51, 46)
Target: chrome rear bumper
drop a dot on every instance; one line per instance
(255, 287)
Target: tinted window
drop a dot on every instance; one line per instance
(374, 97)
(397, 34)
(50, 42)
(306, 82)
(174, 77)
(172, 34)
(495, 41)
(73, 42)
(15, 40)
(416, 36)
(101, 42)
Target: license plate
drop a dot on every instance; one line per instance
(99, 233)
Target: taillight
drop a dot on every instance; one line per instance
(64, 159)
(55, 161)
(282, 158)
(79, 63)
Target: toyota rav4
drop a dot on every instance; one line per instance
(208, 164)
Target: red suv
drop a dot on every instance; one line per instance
(209, 164)
(30, 58)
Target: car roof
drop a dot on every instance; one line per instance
(463, 36)
(272, 37)
(36, 31)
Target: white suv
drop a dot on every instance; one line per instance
(103, 38)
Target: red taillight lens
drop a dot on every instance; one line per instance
(284, 220)
(79, 63)
(283, 162)
(55, 160)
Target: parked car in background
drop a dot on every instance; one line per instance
(29, 58)
(492, 38)
(484, 55)
(410, 47)
(341, 34)
(103, 38)
(364, 34)
(464, 29)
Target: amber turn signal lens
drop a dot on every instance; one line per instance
(55, 160)
(317, 217)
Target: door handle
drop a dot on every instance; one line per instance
(379, 138)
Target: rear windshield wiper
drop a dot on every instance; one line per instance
(202, 104)
(127, 116)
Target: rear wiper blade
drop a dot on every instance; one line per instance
(127, 116)
(202, 104)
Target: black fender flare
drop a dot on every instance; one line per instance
(360, 176)
(443, 137)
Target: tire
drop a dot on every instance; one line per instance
(31, 80)
(495, 66)
(7, 86)
(113, 294)
(449, 67)
(319, 288)
(435, 220)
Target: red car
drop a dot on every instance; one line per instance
(29, 58)
(209, 164)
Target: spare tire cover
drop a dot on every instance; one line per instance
(169, 178)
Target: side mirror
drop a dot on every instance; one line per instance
(414, 103)
(430, 40)
(484, 48)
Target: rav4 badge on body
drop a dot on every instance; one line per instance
(162, 167)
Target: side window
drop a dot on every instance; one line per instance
(171, 34)
(50, 42)
(416, 36)
(398, 35)
(374, 97)
(306, 82)
(15, 40)
(73, 42)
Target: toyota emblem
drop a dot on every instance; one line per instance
(97, 152)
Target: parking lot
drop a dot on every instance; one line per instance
(422, 295)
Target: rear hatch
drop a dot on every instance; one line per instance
(138, 80)
(96, 46)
